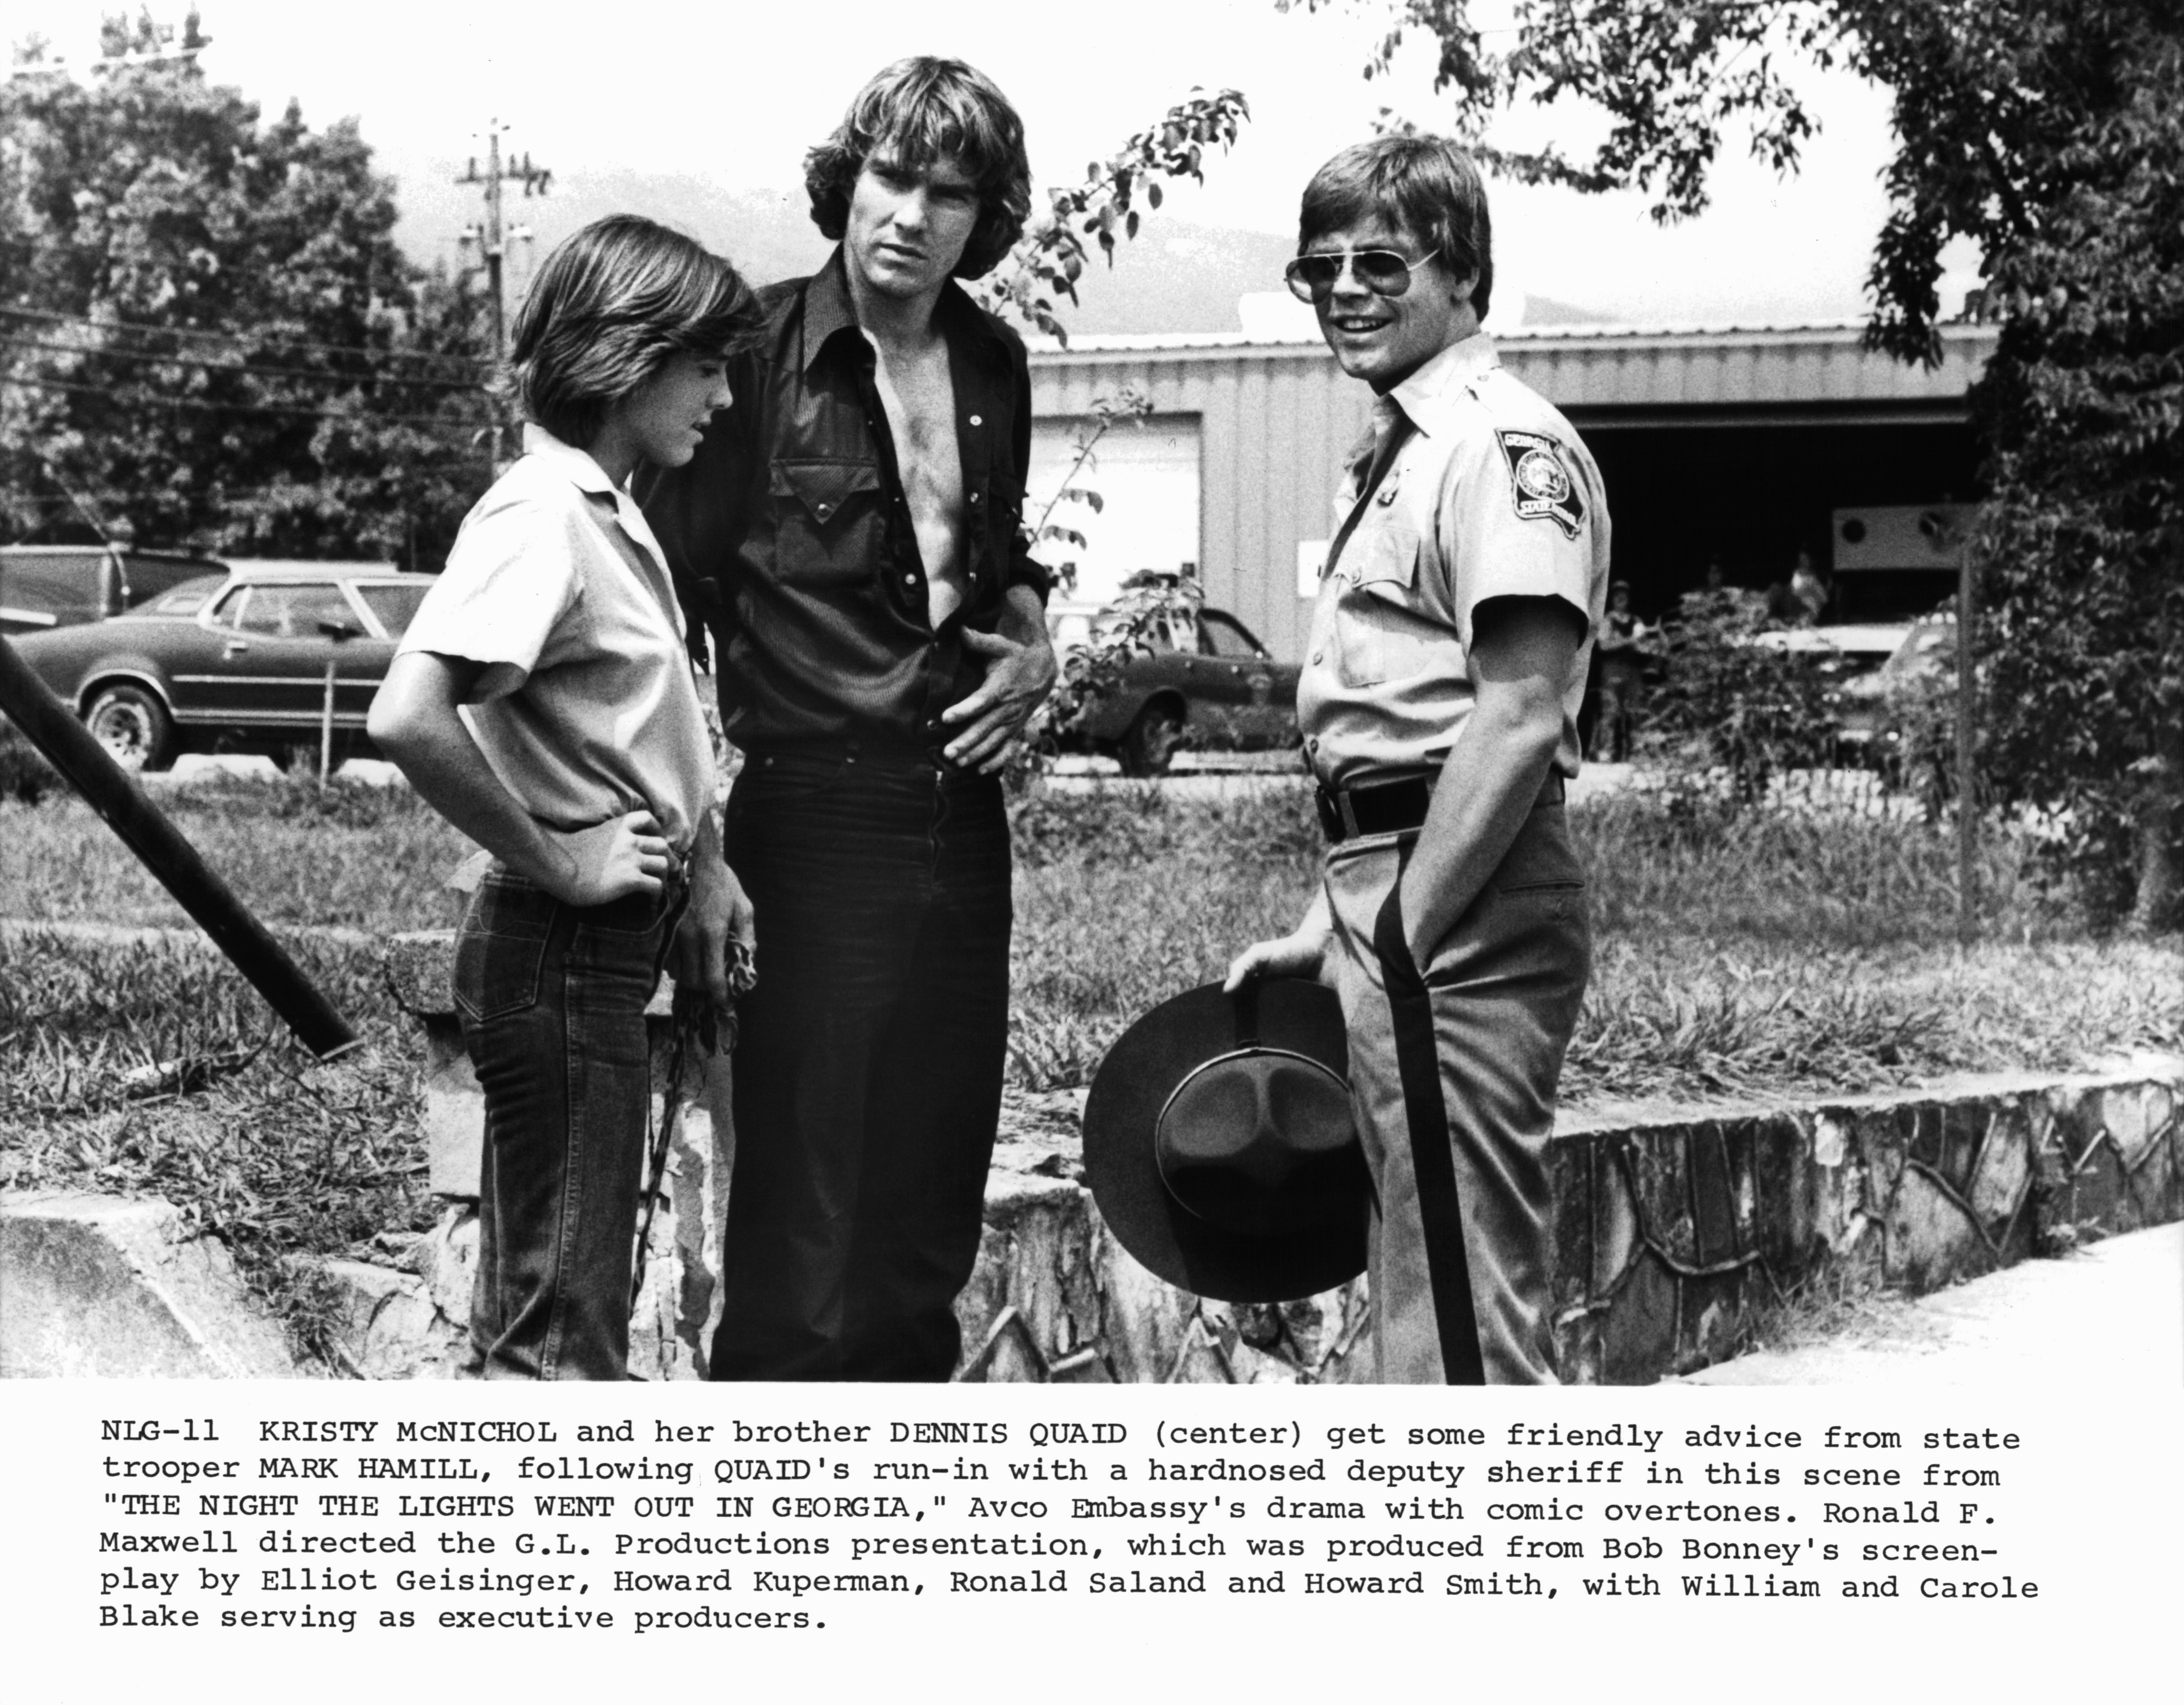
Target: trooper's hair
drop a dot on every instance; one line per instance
(608, 307)
(1426, 184)
(913, 114)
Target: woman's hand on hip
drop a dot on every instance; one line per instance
(621, 856)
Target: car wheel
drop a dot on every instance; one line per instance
(1150, 744)
(133, 725)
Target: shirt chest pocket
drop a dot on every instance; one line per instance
(1379, 636)
(829, 522)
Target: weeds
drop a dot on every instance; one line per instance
(353, 856)
(1762, 953)
(25, 774)
(1751, 953)
(1834, 1301)
(282, 1160)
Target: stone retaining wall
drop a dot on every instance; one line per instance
(1670, 1226)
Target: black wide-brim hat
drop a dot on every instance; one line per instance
(1221, 1148)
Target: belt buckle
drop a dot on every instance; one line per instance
(1384, 786)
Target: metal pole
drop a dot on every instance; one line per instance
(493, 238)
(1967, 767)
(116, 796)
(326, 728)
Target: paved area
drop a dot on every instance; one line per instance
(192, 768)
(2110, 1315)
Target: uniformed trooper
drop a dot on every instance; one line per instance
(1439, 705)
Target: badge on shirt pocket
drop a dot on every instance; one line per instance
(1541, 482)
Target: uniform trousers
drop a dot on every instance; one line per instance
(868, 1062)
(1453, 1067)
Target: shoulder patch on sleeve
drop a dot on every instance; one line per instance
(1540, 481)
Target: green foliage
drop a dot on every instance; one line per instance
(1144, 616)
(1050, 257)
(1729, 707)
(208, 335)
(1129, 404)
(2081, 544)
(2047, 132)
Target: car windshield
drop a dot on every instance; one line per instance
(396, 606)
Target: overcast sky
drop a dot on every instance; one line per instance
(735, 91)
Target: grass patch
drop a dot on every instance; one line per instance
(353, 856)
(1774, 954)
(1765, 953)
(282, 1160)
(1835, 1303)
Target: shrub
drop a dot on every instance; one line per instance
(25, 774)
(1731, 713)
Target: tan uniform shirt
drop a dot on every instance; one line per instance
(1491, 495)
(587, 707)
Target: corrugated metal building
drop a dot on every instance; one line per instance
(1742, 446)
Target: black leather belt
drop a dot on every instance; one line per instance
(1395, 803)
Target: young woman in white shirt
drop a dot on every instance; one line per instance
(543, 702)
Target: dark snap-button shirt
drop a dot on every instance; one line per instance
(790, 537)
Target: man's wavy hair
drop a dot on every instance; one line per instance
(915, 113)
(1427, 185)
(608, 307)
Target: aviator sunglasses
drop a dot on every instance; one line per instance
(1311, 277)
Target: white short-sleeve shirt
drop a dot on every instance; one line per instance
(1491, 495)
(587, 708)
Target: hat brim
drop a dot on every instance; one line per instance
(1122, 1168)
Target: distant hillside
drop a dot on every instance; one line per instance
(1175, 277)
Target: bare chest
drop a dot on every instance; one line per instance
(920, 400)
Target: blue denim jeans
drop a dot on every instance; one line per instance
(868, 1063)
(552, 999)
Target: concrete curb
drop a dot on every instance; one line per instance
(110, 1287)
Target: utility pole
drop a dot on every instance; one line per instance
(492, 237)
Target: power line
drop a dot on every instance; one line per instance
(150, 401)
(241, 339)
(9, 341)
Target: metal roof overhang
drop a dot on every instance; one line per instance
(1613, 377)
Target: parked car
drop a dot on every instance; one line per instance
(1841, 652)
(236, 660)
(1216, 689)
(1874, 705)
(44, 586)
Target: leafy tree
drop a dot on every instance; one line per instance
(1050, 257)
(208, 335)
(2046, 131)
(1039, 272)
(2082, 540)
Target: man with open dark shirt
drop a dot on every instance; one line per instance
(849, 530)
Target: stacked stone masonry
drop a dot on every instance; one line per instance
(1669, 1227)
